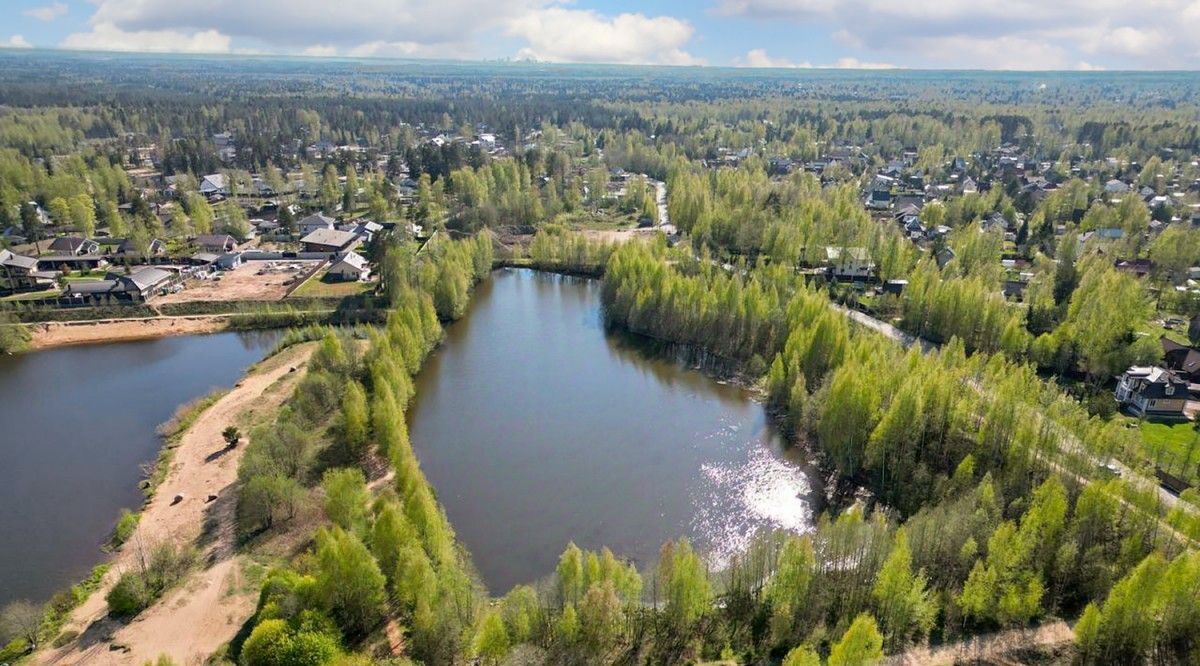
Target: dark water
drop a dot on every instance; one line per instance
(76, 424)
(538, 428)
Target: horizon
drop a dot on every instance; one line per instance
(762, 34)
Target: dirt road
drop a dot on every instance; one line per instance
(991, 648)
(192, 621)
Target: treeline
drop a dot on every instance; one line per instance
(388, 556)
(555, 249)
(920, 431)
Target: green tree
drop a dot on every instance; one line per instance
(860, 645)
(354, 419)
(491, 639)
(349, 582)
(904, 605)
(346, 498)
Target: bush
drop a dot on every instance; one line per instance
(124, 528)
(129, 596)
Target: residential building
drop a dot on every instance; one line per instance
(349, 267)
(1152, 391)
(328, 240)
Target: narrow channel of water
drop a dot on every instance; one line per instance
(76, 424)
(537, 427)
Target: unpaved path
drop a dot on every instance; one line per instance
(192, 621)
(992, 648)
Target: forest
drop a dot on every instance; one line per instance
(975, 493)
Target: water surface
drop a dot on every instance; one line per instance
(537, 428)
(76, 424)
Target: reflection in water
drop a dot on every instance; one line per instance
(537, 428)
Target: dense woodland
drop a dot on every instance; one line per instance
(982, 506)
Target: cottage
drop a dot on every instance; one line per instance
(1152, 391)
(73, 245)
(214, 185)
(328, 240)
(1183, 360)
(137, 287)
(82, 262)
(21, 273)
(944, 256)
(849, 263)
(349, 267)
(218, 243)
(154, 248)
(314, 223)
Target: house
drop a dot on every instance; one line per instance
(1152, 391)
(218, 243)
(82, 262)
(21, 273)
(349, 267)
(214, 185)
(944, 256)
(849, 263)
(328, 240)
(1184, 361)
(228, 261)
(154, 248)
(894, 287)
(1139, 268)
(1115, 186)
(73, 245)
(136, 287)
(315, 222)
(364, 230)
(968, 186)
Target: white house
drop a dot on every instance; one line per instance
(214, 185)
(315, 222)
(849, 263)
(349, 267)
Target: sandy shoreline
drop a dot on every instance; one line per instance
(191, 621)
(59, 334)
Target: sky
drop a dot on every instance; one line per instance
(927, 34)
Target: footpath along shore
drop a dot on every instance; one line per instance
(191, 621)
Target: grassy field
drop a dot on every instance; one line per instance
(1171, 443)
(317, 287)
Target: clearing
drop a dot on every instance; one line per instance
(252, 281)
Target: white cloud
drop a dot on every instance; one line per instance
(320, 51)
(293, 25)
(108, 37)
(570, 35)
(47, 12)
(17, 42)
(760, 58)
(1003, 34)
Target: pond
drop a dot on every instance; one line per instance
(76, 425)
(538, 427)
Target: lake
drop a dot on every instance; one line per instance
(76, 424)
(537, 427)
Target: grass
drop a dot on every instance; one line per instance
(33, 295)
(1168, 444)
(317, 287)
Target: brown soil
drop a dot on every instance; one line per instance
(194, 620)
(58, 334)
(1005, 647)
(252, 281)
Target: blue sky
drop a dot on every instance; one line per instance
(946, 34)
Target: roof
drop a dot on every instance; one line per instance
(330, 237)
(67, 243)
(353, 260)
(149, 277)
(9, 258)
(214, 239)
(317, 218)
